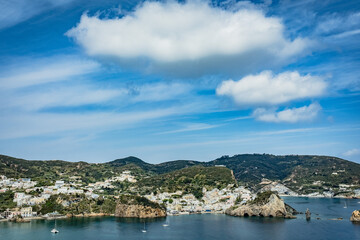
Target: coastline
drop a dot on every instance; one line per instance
(314, 196)
(93, 215)
(86, 215)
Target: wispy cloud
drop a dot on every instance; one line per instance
(347, 34)
(159, 91)
(63, 96)
(337, 25)
(290, 131)
(40, 124)
(239, 118)
(45, 70)
(192, 127)
(352, 152)
(16, 11)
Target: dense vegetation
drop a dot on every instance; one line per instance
(298, 172)
(49, 171)
(138, 200)
(189, 180)
(77, 204)
(261, 198)
(6, 200)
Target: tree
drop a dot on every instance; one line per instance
(7, 200)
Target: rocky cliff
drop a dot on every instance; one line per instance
(138, 211)
(265, 205)
(138, 207)
(355, 216)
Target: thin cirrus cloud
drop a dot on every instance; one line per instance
(352, 152)
(84, 94)
(291, 115)
(192, 127)
(156, 92)
(16, 11)
(339, 25)
(42, 124)
(62, 97)
(195, 39)
(266, 88)
(45, 70)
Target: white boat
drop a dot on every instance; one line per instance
(54, 230)
(144, 229)
(166, 224)
(345, 205)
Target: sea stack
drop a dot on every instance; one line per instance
(266, 204)
(355, 216)
(308, 214)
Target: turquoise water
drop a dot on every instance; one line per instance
(205, 226)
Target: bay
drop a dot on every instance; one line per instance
(202, 226)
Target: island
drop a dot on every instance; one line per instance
(241, 185)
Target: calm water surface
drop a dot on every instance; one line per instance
(205, 226)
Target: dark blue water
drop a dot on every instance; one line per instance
(205, 226)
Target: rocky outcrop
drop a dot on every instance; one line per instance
(19, 219)
(88, 215)
(308, 214)
(291, 210)
(138, 211)
(138, 207)
(271, 206)
(355, 216)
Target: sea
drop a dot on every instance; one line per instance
(324, 224)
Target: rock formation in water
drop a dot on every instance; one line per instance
(266, 204)
(308, 214)
(138, 207)
(355, 216)
(19, 219)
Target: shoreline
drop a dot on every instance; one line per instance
(93, 215)
(66, 216)
(305, 196)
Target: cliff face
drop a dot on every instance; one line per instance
(355, 217)
(274, 207)
(138, 211)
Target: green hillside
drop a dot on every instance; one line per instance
(298, 172)
(188, 180)
(56, 169)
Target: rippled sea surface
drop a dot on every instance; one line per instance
(205, 226)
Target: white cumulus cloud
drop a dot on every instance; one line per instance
(189, 37)
(267, 88)
(291, 115)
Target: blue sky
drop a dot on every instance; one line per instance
(100, 80)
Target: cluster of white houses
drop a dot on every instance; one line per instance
(25, 198)
(214, 200)
(14, 184)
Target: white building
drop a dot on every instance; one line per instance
(59, 183)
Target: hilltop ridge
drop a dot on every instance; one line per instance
(301, 173)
